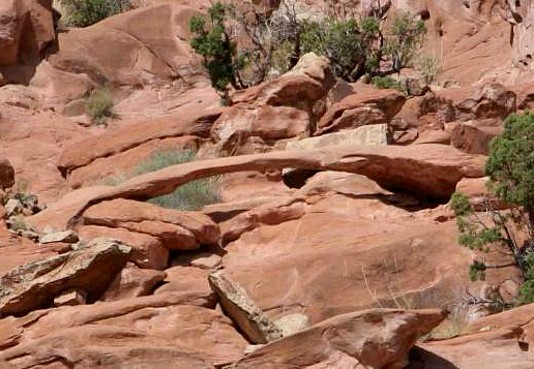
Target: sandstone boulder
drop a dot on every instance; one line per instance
(365, 108)
(178, 230)
(377, 339)
(277, 109)
(268, 123)
(375, 134)
(148, 251)
(133, 282)
(256, 326)
(34, 285)
(475, 136)
(189, 282)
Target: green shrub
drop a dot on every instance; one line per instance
(403, 40)
(213, 42)
(277, 40)
(193, 195)
(384, 82)
(349, 45)
(358, 48)
(429, 67)
(83, 13)
(99, 106)
(510, 167)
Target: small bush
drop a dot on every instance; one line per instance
(99, 106)
(429, 67)
(193, 195)
(386, 82)
(83, 13)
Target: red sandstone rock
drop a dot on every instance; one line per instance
(133, 282)
(35, 285)
(369, 107)
(147, 251)
(377, 339)
(179, 230)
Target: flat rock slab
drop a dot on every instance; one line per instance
(35, 285)
(377, 339)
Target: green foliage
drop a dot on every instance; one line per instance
(403, 40)
(429, 67)
(213, 43)
(511, 161)
(511, 170)
(360, 48)
(345, 43)
(275, 41)
(384, 82)
(475, 232)
(526, 293)
(281, 57)
(193, 195)
(83, 13)
(477, 271)
(99, 106)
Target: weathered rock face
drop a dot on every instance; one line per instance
(133, 282)
(97, 156)
(34, 286)
(377, 339)
(520, 15)
(365, 108)
(277, 109)
(26, 29)
(33, 141)
(144, 46)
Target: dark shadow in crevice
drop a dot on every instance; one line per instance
(424, 359)
(400, 197)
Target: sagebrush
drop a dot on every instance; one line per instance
(193, 195)
(99, 105)
(83, 13)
